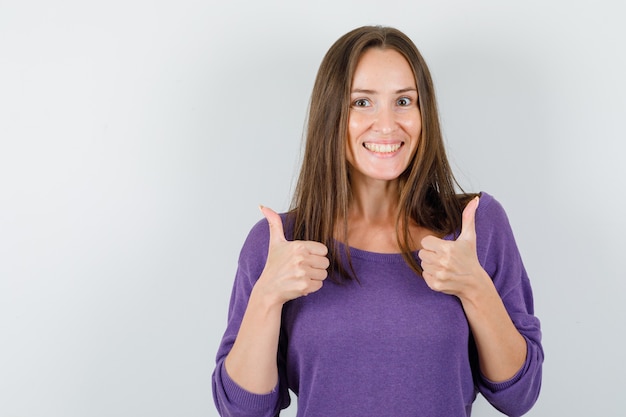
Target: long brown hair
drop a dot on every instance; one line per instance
(322, 195)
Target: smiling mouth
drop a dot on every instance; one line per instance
(382, 147)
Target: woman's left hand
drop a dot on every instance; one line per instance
(452, 267)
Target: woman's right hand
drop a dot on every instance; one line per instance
(293, 268)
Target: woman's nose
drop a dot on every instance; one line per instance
(385, 122)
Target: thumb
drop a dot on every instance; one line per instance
(468, 225)
(276, 224)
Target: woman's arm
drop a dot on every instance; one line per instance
(292, 269)
(453, 267)
(488, 277)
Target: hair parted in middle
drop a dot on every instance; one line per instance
(427, 196)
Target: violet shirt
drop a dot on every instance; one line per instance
(387, 345)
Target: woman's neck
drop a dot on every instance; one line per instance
(372, 216)
(374, 201)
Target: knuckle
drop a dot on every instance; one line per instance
(314, 286)
(303, 288)
(299, 246)
(298, 260)
(436, 285)
(299, 273)
(445, 262)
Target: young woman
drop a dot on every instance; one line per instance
(383, 292)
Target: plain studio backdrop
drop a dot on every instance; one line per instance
(137, 139)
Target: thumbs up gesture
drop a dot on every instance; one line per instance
(292, 269)
(452, 267)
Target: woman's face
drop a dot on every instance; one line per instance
(384, 123)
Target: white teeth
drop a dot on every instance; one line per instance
(382, 147)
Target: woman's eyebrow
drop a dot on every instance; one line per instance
(362, 91)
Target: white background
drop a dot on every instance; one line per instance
(137, 139)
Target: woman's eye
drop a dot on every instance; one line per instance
(362, 102)
(404, 101)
